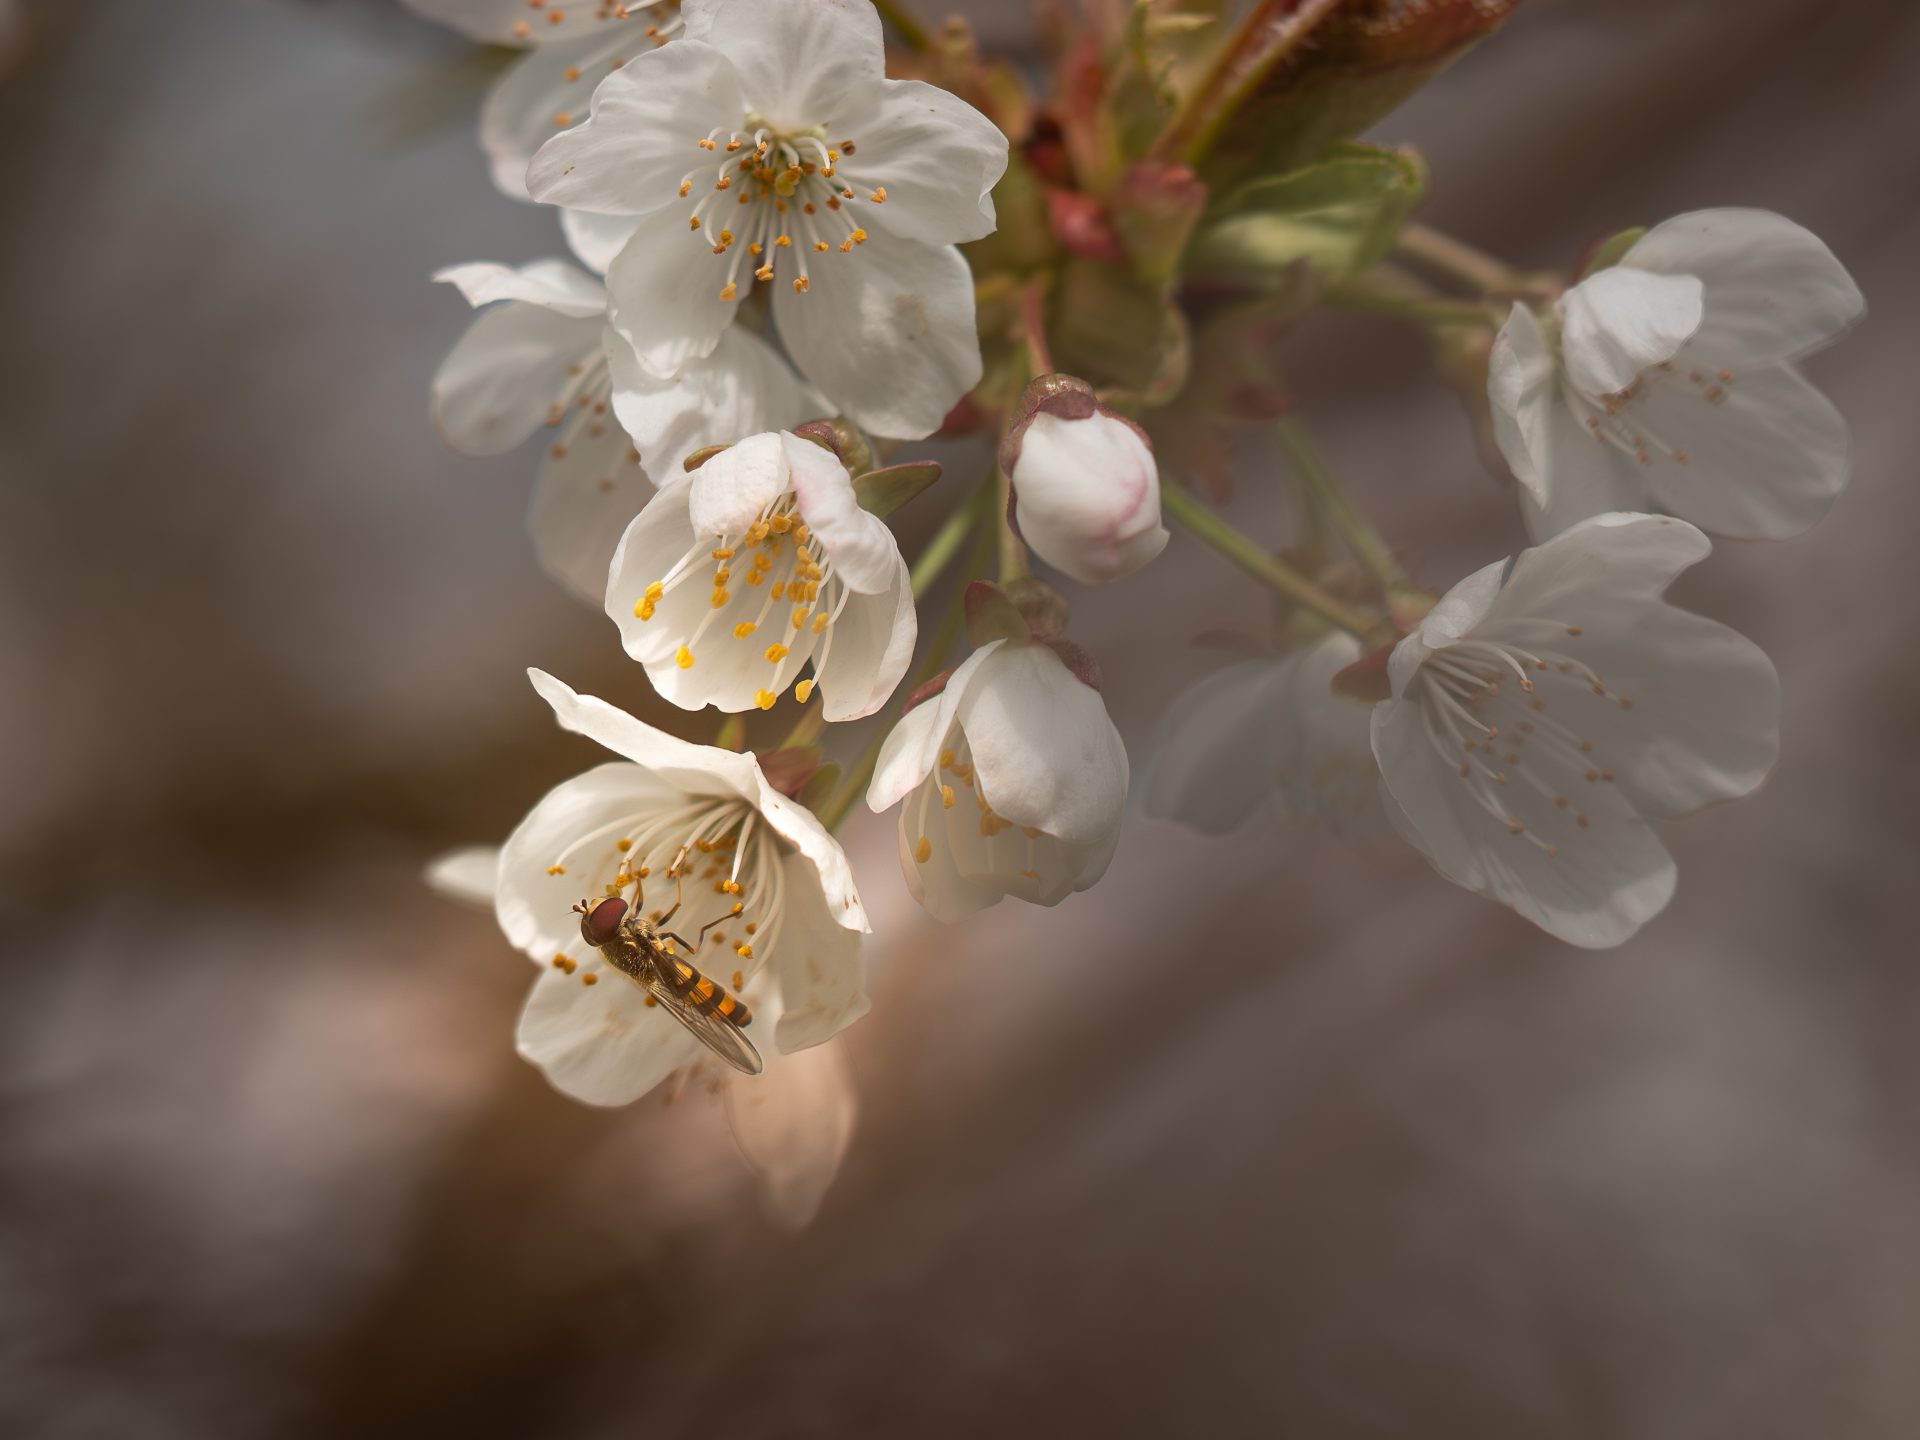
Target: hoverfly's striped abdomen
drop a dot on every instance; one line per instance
(703, 995)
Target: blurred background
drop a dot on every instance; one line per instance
(268, 1162)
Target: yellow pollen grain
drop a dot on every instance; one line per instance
(744, 629)
(590, 978)
(946, 797)
(765, 272)
(800, 285)
(764, 699)
(728, 291)
(559, 962)
(819, 620)
(859, 236)
(799, 616)
(780, 590)
(780, 524)
(745, 952)
(556, 869)
(879, 197)
(923, 851)
(719, 599)
(946, 759)
(783, 242)
(776, 652)
(754, 248)
(623, 846)
(803, 692)
(683, 657)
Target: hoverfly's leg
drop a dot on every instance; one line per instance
(711, 924)
(679, 940)
(679, 873)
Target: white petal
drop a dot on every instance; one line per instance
(564, 851)
(504, 376)
(1705, 719)
(1597, 891)
(966, 868)
(1218, 756)
(641, 137)
(886, 333)
(665, 293)
(1773, 289)
(732, 488)
(743, 388)
(469, 874)
(910, 751)
(937, 157)
(1582, 475)
(596, 239)
(1455, 615)
(793, 1125)
(522, 107)
(864, 553)
(509, 22)
(801, 63)
(600, 1043)
(1045, 753)
(1088, 497)
(551, 284)
(1622, 321)
(1523, 384)
(696, 769)
(818, 962)
(831, 877)
(1764, 461)
(872, 646)
(589, 491)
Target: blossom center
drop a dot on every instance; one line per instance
(661, 22)
(1611, 419)
(709, 857)
(774, 197)
(951, 802)
(773, 604)
(1506, 718)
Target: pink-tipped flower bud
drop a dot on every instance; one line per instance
(1086, 491)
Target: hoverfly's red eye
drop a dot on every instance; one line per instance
(600, 924)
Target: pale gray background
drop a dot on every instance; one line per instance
(268, 1165)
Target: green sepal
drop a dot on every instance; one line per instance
(992, 616)
(881, 492)
(1611, 251)
(820, 786)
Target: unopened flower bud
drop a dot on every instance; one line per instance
(1086, 491)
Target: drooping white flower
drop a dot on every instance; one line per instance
(1264, 738)
(570, 48)
(1668, 381)
(686, 822)
(792, 1122)
(1085, 489)
(767, 144)
(1013, 780)
(736, 577)
(1541, 719)
(544, 356)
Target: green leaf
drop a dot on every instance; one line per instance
(881, 492)
(1117, 331)
(1335, 217)
(991, 616)
(1612, 250)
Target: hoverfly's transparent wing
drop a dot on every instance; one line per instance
(722, 1037)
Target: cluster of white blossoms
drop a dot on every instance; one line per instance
(768, 301)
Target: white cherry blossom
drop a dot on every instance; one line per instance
(1668, 382)
(735, 578)
(792, 1122)
(1085, 487)
(1012, 781)
(682, 821)
(1550, 708)
(542, 355)
(767, 144)
(570, 48)
(1264, 738)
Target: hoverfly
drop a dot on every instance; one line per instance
(637, 948)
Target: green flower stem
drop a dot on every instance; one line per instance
(932, 562)
(1268, 34)
(912, 33)
(1455, 260)
(1361, 538)
(1387, 292)
(1211, 530)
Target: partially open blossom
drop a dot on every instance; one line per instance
(1013, 781)
(1667, 381)
(1549, 708)
(792, 1122)
(767, 144)
(1086, 491)
(570, 48)
(543, 356)
(736, 578)
(1265, 738)
(687, 822)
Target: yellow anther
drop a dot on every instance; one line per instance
(726, 237)
(780, 524)
(801, 534)
(833, 157)
(776, 652)
(739, 980)
(820, 622)
(946, 797)
(803, 692)
(799, 284)
(683, 657)
(693, 222)
(923, 851)
(799, 616)
(728, 291)
(859, 236)
(879, 197)
(783, 242)
(706, 144)
(686, 188)
(733, 145)
(721, 576)
(719, 599)
(764, 699)
(744, 629)
(754, 249)
(946, 759)
(590, 978)
(779, 591)
(556, 869)
(820, 246)
(723, 553)
(725, 182)
(745, 952)
(765, 272)
(643, 609)
(623, 846)
(813, 593)
(846, 247)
